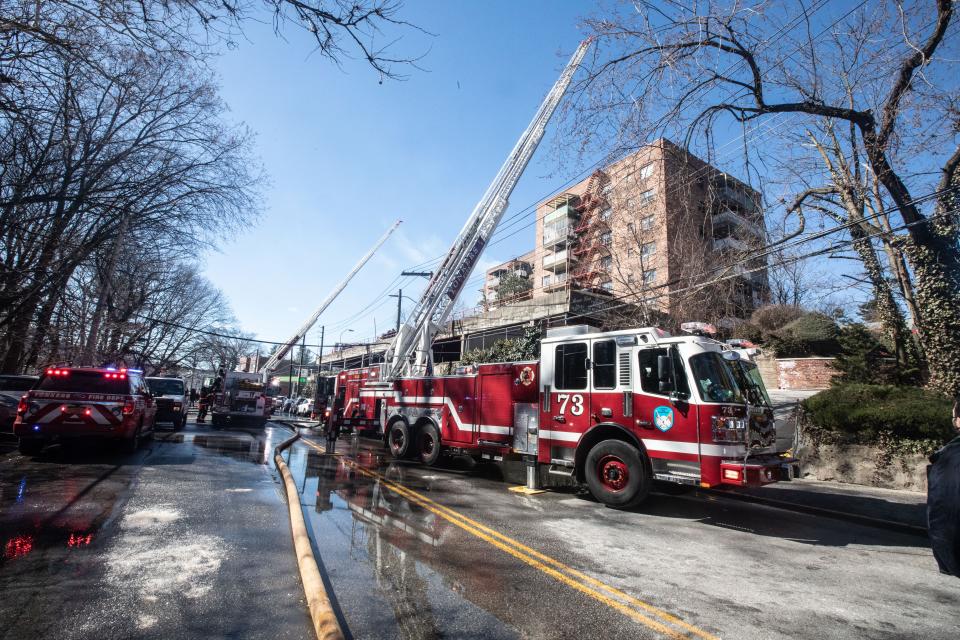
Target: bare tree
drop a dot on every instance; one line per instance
(715, 67)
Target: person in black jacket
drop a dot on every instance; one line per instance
(943, 501)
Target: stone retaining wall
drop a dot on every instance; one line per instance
(857, 464)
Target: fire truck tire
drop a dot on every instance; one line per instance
(429, 444)
(618, 474)
(30, 446)
(398, 439)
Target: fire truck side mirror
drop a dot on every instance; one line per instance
(665, 373)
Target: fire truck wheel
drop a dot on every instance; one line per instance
(398, 439)
(429, 444)
(618, 474)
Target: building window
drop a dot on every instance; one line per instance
(606, 262)
(646, 171)
(631, 228)
(646, 197)
(629, 278)
(647, 249)
(646, 223)
(606, 239)
(546, 281)
(649, 276)
(605, 214)
(607, 286)
(570, 366)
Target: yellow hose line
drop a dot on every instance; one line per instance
(325, 622)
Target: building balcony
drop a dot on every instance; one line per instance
(555, 234)
(732, 218)
(556, 261)
(557, 281)
(560, 214)
(729, 244)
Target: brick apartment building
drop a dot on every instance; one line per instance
(658, 216)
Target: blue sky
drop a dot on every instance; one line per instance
(347, 156)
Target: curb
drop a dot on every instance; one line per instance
(880, 523)
(325, 623)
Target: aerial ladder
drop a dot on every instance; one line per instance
(281, 353)
(411, 352)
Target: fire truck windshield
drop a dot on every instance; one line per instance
(748, 377)
(715, 379)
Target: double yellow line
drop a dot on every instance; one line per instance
(657, 620)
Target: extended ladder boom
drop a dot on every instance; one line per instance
(302, 331)
(411, 351)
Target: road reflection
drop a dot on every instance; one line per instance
(421, 566)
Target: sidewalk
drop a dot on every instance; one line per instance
(905, 510)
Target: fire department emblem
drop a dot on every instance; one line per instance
(527, 376)
(663, 418)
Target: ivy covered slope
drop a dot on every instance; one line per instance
(872, 413)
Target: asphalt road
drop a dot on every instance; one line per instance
(428, 553)
(187, 538)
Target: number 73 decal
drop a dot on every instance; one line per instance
(575, 401)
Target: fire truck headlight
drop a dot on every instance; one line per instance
(729, 430)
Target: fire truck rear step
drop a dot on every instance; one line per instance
(563, 468)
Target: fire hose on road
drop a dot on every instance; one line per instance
(325, 622)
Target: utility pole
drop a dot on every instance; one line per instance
(320, 357)
(399, 295)
(303, 347)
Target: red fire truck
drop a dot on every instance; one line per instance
(615, 410)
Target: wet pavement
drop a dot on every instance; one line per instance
(187, 538)
(412, 552)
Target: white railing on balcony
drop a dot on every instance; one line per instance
(555, 233)
(553, 260)
(561, 213)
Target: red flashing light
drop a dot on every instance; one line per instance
(22, 406)
(57, 372)
(79, 540)
(87, 411)
(63, 408)
(49, 372)
(16, 547)
(128, 408)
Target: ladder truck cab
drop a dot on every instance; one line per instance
(614, 410)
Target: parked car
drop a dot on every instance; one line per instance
(12, 388)
(305, 408)
(172, 401)
(80, 403)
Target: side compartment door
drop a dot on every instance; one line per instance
(495, 417)
(459, 411)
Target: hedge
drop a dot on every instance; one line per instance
(861, 412)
